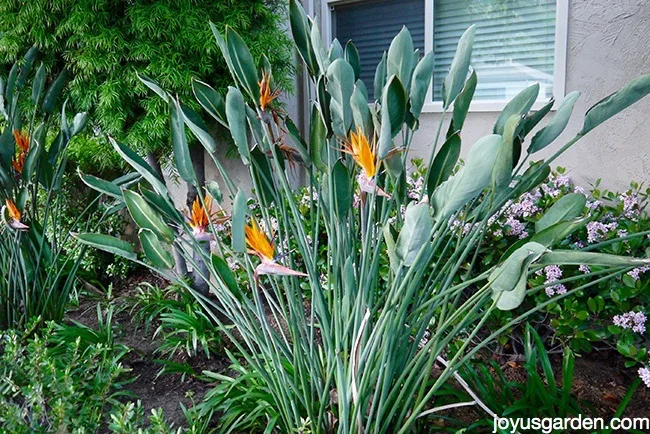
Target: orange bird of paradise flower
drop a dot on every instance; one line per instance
(14, 215)
(260, 246)
(22, 143)
(266, 94)
(365, 155)
(200, 218)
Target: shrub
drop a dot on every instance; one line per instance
(337, 347)
(54, 385)
(104, 44)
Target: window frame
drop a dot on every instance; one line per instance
(559, 61)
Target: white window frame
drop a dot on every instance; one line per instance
(559, 65)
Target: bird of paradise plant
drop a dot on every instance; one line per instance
(38, 273)
(340, 349)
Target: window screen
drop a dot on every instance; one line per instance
(372, 25)
(514, 45)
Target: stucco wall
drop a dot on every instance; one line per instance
(608, 45)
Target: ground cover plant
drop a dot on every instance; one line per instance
(331, 345)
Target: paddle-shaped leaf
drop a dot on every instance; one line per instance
(101, 185)
(508, 281)
(179, 144)
(459, 68)
(421, 82)
(444, 163)
(302, 35)
(236, 115)
(616, 102)
(519, 105)
(550, 132)
(415, 232)
(243, 65)
(211, 101)
(159, 255)
(140, 166)
(400, 57)
(380, 77)
(222, 270)
(239, 222)
(577, 257)
(567, 207)
(470, 181)
(145, 216)
(108, 244)
(393, 108)
(340, 85)
(151, 84)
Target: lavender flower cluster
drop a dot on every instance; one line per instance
(644, 373)
(631, 320)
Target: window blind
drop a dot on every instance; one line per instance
(514, 45)
(372, 25)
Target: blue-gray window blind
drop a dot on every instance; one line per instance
(371, 25)
(514, 45)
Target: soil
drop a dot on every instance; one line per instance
(155, 390)
(600, 378)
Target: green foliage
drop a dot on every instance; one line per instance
(183, 323)
(540, 393)
(105, 44)
(335, 345)
(49, 384)
(38, 270)
(95, 266)
(129, 418)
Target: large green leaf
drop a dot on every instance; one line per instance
(519, 105)
(341, 190)
(534, 118)
(53, 92)
(459, 68)
(39, 84)
(179, 144)
(140, 166)
(211, 101)
(393, 108)
(380, 77)
(361, 112)
(243, 64)
(421, 82)
(318, 139)
(222, 270)
(340, 85)
(550, 132)
(27, 65)
(302, 35)
(318, 49)
(400, 57)
(101, 185)
(151, 84)
(558, 232)
(616, 102)
(444, 163)
(470, 181)
(263, 176)
(415, 232)
(108, 244)
(236, 115)
(145, 216)
(159, 255)
(462, 103)
(199, 129)
(577, 257)
(239, 210)
(351, 54)
(502, 173)
(508, 281)
(567, 207)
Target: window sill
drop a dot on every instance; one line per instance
(481, 106)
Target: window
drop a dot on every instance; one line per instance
(518, 42)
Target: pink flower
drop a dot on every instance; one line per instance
(644, 373)
(634, 321)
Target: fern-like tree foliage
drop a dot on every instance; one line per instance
(104, 44)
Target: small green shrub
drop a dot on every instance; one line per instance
(49, 384)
